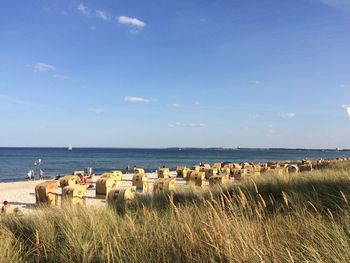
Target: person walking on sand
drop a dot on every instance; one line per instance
(6, 208)
(127, 170)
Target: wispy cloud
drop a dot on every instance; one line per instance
(337, 3)
(255, 82)
(187, 125)
(131, 21)
(44, 68)
(135, 99)
(102, 15)
(203, 20)
(344, 86)
(84, 9)
(60, 76)
(254, 115)
(286, 115)
(18, 101)
(97, 111)
(10, 99)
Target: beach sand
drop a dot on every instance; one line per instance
(21, 195)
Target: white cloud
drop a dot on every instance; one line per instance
(347, 109)
(96, 110)
(102, 15)
(187, 125)
(131, 21)
(287, 115)
(135, 99)
(44, 68)
(175, 105)
(84, 9)
(344, 86)
(196, 103)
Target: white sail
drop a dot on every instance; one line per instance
(70, 147)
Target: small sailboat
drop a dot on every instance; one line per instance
(70, 148)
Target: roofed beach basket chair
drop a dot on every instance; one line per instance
(225, 170)
(219, 180)
(211, 172)
(104, 185)
(117, 175)
(74, 195)
(140, 181)
(163, 172)
(235, 170)
(69, 180)
(45, 194)
(217, 166)
(121, 195)
(305, 166)
(264, 168)
(204, 167)
(164, 185)
(182, 171)
(277, 168)
(292, 168)
(139, 171)
(195, 168)
(197, 179)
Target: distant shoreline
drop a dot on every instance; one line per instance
(183, 148)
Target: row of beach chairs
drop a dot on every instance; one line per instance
(74, 187)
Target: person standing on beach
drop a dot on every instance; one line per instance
(127, 169)
(29, 175)
(41, 174)
(6, 208)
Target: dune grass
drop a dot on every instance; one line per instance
(271, 218)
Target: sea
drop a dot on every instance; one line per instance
(15, 162)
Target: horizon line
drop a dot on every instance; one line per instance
(177, 147)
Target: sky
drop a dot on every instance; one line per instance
(185, 73)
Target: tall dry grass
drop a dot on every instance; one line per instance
(297, 218)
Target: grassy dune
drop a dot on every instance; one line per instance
(271, 218)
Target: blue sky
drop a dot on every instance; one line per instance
(157, 73)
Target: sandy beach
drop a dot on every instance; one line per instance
(21, 195)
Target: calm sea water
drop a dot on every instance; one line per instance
(15, 162)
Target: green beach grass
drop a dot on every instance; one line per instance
(271, 218)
